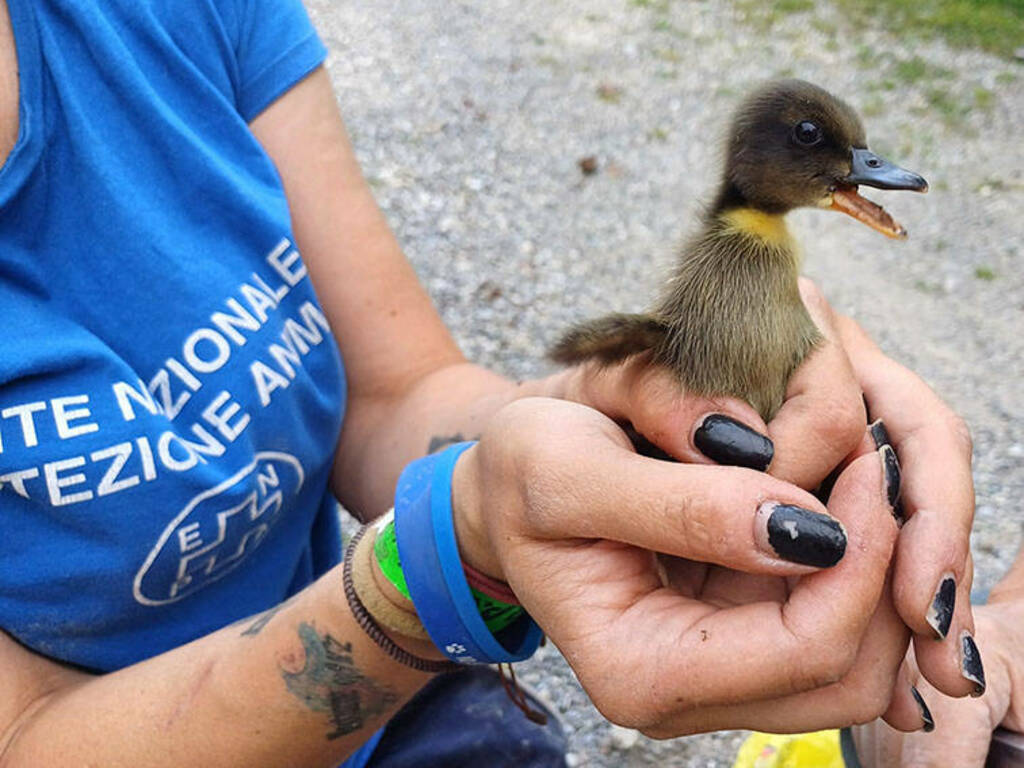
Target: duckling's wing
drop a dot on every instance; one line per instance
(608, 339)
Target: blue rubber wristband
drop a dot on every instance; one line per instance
(433, 571)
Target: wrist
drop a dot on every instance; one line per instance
(433, 568)
(471, 531)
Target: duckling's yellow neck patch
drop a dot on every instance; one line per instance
(770, 227)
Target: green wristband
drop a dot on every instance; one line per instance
(385, 547)
(496, 614)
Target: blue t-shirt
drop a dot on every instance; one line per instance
(170, 393)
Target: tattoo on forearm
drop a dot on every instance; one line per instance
(261, 620)
(327, 680)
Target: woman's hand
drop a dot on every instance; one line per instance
(820, 426)
(962, 727)
(555, 501)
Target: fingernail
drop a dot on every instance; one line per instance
(892, 474)
(940, 613)
(899, 513)
(733, 443)
(802, 536)
(926, 714)
(970, 664)
(879, 433)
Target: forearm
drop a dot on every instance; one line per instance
(300, 685)
(448, 405)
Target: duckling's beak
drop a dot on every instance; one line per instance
(868, 168)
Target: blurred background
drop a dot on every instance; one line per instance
(540, 160)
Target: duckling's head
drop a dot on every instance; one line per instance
(793, 144)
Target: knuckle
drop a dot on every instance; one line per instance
(825, 662)
(868, 705)
(844, 421)
(960, 434)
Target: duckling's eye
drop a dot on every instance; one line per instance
(807, 133)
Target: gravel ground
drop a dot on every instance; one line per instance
(470, 120)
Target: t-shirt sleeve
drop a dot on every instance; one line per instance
(276, 46)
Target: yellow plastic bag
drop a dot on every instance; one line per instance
(800, 750)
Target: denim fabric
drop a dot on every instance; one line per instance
(465, 720)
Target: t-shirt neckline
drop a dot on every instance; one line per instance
(27, 148)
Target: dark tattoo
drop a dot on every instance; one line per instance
(437, 442)
(261, 620)
(330, 682)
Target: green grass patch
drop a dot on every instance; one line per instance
(993, 25)
(916, 69)
(984, 99)
(952, 111)
(765, 14)
(984, 273)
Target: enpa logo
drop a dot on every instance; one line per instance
(217, 529)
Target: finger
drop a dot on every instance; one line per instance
(683, 426)
(822, 419)
(708, 658)
(954, 664)
(960, 736)
(729, 516)
(861, 694)
(934, 449)
(909, 711)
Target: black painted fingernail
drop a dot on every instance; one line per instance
(802, 536)
(733, 443)
(926, 714)
(879, 433)
(899, 513)
(970, 664)
(892, 474)
(940, 614)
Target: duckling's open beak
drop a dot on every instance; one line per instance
(868, 168)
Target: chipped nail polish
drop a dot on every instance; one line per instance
(891, 466)
(879, 433)
(802, 536)
(926, 714)
(940, 613)
(730, 442)
(970, 664)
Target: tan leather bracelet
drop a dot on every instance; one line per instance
(369, 625)
(390, 616)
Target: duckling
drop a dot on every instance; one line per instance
(731, 320)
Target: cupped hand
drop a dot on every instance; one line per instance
(821, 426)
(554, 500)
(958, 731)
(933, 570)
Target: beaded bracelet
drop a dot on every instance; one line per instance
(433, 571)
